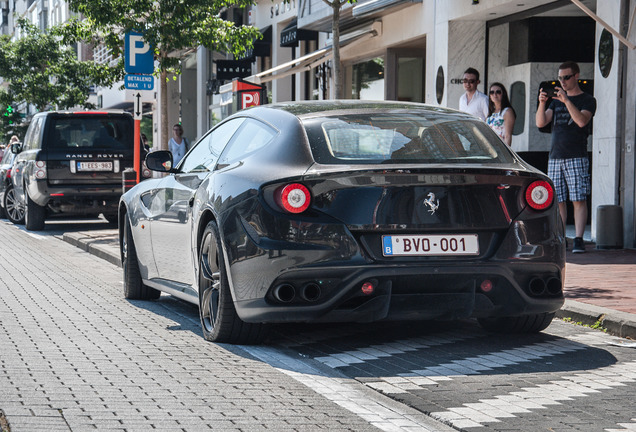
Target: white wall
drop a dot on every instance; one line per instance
(606, 142)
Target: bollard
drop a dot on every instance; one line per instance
(609, 227)
(128, 179)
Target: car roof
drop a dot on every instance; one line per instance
(303, 109)
(85, 112)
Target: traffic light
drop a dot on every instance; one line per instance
(9, 113)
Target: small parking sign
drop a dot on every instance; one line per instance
(138, 54)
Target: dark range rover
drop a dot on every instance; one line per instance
(71, 163)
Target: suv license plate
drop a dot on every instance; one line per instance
(94, 166)
(421, 245)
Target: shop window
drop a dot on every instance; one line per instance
(368, 80)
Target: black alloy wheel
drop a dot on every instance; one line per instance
(219, 320)
(13, 207)
(134, 287)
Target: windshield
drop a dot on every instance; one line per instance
(403, 137)
(112, 132)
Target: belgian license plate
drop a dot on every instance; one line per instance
(420, 245)
(95, 166)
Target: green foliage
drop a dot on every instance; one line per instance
(39, 69)
(170, 26)
(598, 325)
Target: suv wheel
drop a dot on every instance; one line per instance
(34, 214)
(13, 207)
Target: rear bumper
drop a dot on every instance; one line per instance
(409, 293)
(78, 199)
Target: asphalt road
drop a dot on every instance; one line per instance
(75, 355)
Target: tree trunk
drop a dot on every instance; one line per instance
(335, 30)
(164, 131)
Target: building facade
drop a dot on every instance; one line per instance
(418, 50)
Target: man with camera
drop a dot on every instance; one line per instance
(570, 112)
(473, 101)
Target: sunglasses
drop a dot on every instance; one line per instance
(565, 78)
(495, 91)
(467, 81)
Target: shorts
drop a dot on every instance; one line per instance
(570, 175)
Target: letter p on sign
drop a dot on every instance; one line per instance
(250, 98)
(139, 55)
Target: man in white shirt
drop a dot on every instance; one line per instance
(473, 101)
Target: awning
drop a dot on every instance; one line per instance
(377, 7)
(226, 70)
(262, 47)
(290, 35)
(312, 60)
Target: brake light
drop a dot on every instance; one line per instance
(40, 170)
(539, 195)
(293, 198)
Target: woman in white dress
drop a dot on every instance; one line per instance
(177, 145)
(501, 115)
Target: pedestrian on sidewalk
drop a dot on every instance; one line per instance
(570, 112)
(501, 114)
(178, 144)
(473, 101)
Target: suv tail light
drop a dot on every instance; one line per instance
(40, 170)
(293, 198)
(539, 195)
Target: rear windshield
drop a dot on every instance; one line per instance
(403, 137)
(91, 132)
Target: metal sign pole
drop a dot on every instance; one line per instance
(137, 158)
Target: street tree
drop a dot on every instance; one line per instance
(172, 27)
(39, 69)
(336, 6)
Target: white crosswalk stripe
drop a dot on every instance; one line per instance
(539, 397)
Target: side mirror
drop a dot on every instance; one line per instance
(159, 160)
(16, 148)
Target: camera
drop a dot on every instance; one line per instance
(549, 88)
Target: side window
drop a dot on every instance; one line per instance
(252, 136)
(32, 138)
(206, 151)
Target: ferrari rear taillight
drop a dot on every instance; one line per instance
(293, 198)
(539, 195)
(40, 170)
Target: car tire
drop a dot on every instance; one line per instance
(134, 288)
(521, 324)
(34, 214)
(111, 218)
(12, 207)
(219, 320)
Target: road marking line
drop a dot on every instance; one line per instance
(540, 396)
(380, 411)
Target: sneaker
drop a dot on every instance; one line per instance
(579, 246)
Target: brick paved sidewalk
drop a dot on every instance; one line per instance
(604, 278)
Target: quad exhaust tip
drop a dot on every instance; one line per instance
(539, 287)
(286, 293)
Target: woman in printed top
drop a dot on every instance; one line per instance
(501, 115)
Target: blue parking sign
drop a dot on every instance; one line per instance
(139, 55)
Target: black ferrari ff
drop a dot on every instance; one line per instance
(346, 211)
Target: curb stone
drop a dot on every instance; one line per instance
(617, 323)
